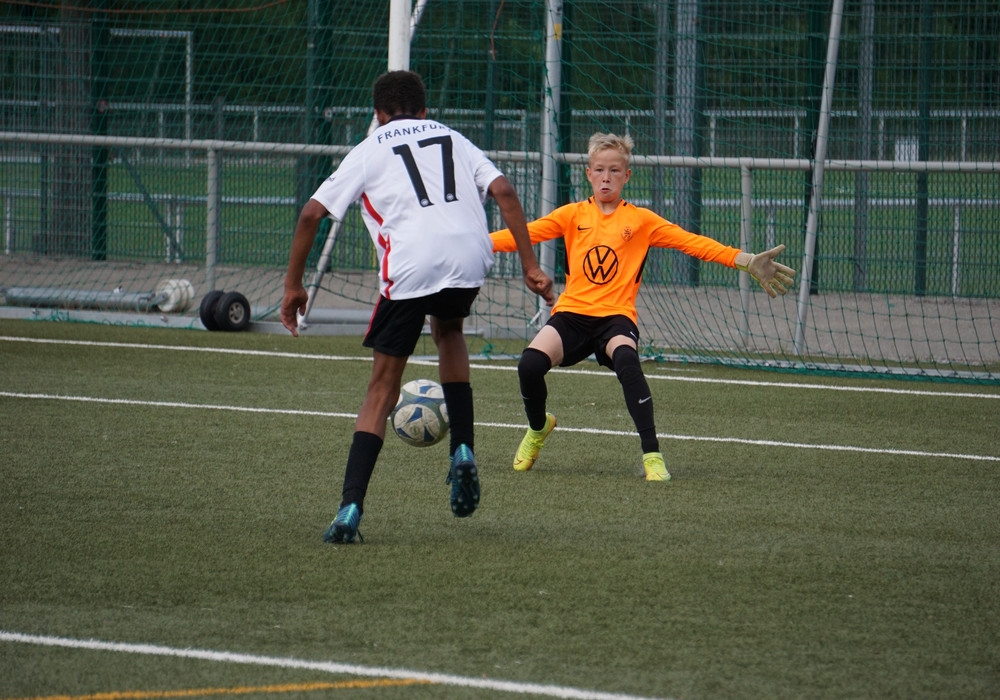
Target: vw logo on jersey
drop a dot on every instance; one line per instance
(600, 264)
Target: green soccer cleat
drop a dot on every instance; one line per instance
(344, 527)
(656, 470)
(527, 451)
(464, 480)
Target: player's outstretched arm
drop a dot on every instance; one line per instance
(774, 277)
(296, 296)
(513, 215)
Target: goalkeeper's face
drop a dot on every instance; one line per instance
(608, 172)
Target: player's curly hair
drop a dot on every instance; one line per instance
(601, 141)
(399, 92)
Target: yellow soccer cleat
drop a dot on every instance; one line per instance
(527, 451)
(656, 470)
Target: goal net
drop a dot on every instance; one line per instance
(176, 140)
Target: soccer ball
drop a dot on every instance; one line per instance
(420, 417)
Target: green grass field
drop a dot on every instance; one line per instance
(164, 494)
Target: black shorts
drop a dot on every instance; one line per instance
(396, 324)
(585, 335)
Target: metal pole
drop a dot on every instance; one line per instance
(490, 102)
(550, 126)
(815, 200)
(661, 83)
(923, 147)
(746, 232)
(862, 204)
(188, 90)
(687, 182)
(213, 207)
(400, 21)
(956, 250)
(8, 224)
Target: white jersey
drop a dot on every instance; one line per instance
(422, 187)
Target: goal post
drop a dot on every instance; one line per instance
(818, 168)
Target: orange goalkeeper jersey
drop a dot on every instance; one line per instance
(605, 253)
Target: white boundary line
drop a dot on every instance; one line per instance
(554, 691)
(562, 429)
(503, 368)
(181, 348)
(176, 404)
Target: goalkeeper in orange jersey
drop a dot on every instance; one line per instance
(607, 240)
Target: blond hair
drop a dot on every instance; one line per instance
(601, 142)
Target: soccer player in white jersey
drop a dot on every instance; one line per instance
(422, 186)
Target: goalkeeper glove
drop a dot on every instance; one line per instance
(774, 277)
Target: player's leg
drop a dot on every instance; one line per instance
(453, 371)
(392, 334)
(382, 393)
(638, 398)
(369, 435)
(621, 350)
(544, 351)
(448, 310)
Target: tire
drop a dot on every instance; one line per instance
(232, 312)
(207, 310)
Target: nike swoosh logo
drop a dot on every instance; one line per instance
(642, 401)
(584, 228)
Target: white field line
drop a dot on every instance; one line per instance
(562, 429)
(177, 404)
(554, 691)
(180, 348)
(507, 368)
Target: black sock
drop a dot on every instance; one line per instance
(360, 465)
(458, 398)
(531, 370)
(638, 398)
